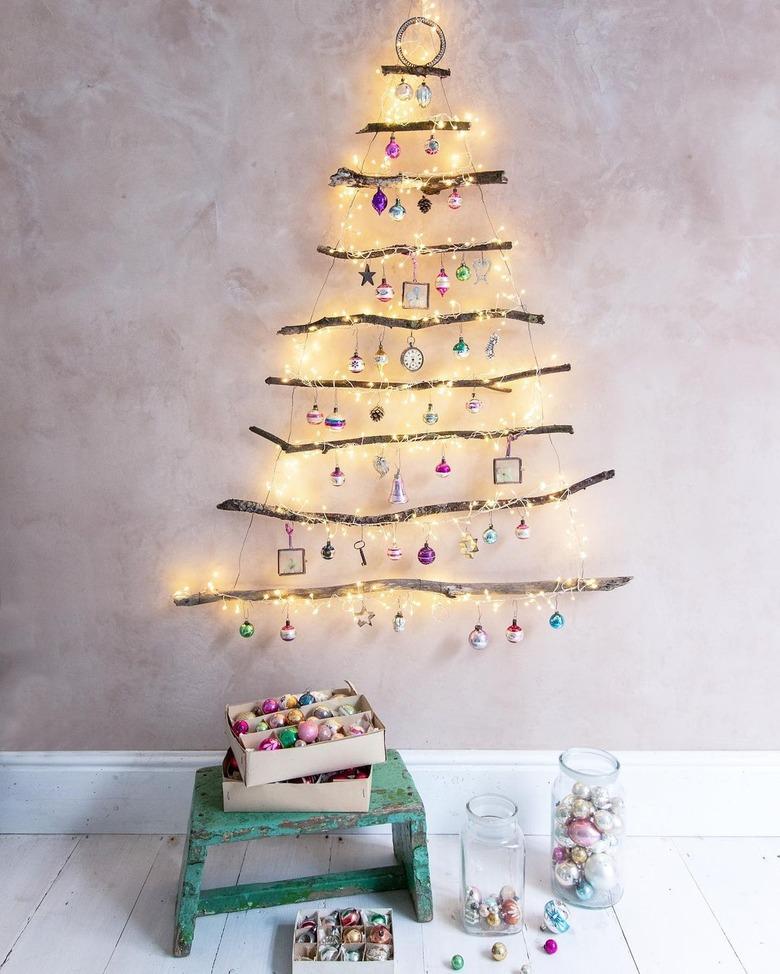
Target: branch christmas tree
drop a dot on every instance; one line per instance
(430, 301)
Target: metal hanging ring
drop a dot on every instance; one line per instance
(399, 42)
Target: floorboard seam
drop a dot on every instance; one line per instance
(132, 908)
(40, 901)
(709, 907)
(625, 938)
(228, 915)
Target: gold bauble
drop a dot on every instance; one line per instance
(578, 855)
(498, 951)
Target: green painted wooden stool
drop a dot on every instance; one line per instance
(394, 800)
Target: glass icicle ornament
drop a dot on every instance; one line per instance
(392, 149)
(398, 490)
(335, 421)
(379, 201)
(424, 95)
(397, 211)
(315, 415)
(443, 469)
(403, 90)
(455, 199)
(442, 282)
(478, 638)
(385, 291)
(463, 273)
(287, 632)
(337, 476)
(246, 629)
(432, 146)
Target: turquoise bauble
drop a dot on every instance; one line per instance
(457, 962)
(557, 621)
(246, 629)
(460, 348)
(490, 535)
(584, 890)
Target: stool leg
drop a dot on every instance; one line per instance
(411, 850)
(192, 862)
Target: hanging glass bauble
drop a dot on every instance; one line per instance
(474, 404)
(463, 273)
(357, 362)
(381, 466)
(399, 623)
(403, 90)
(432, 146)
(442, 282)
(397, 211)
(460, 348)
(398, 490)
(430, 416)
(455, 200)
(478, 638)
(380, 355)
(385, 291)
(287, 632)
(443, 469)
(377, 413)
(394, 552)
(424, 95)
(335, 421)
(392, 149)
(379, 201)
(468, 545)
(522, 530)
(327, 550)
(246, 629)
(490, 535)
(556, 620)
(514, 633)
(426, 555)
(315, 415)
(424, 204)
(337, 476)
(481, 265)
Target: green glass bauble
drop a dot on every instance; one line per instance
(463, 273)
(288, 737)
(460, 348)
(246, 629)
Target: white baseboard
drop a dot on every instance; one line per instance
(669, 792)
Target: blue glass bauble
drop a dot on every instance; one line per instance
(557, 621)
(305, 699)
(490, 535)
(584, 890)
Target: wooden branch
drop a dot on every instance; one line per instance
(412, 513)
(412, 324)
(417, 69)
(325, 446)
(419, 250)
(450, 590)
(494, 383)
(428, 185)
(431, 125)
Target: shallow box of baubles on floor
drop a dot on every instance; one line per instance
(309, 958)
(353, 750)
(341, 795)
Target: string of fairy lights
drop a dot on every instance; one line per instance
(288, 476)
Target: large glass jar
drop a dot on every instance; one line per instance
(587, 828)
(492, 867)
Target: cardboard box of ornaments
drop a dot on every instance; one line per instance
(334, 729)
(325, 940)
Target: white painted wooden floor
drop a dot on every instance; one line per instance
(104, 904)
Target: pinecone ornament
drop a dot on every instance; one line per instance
(377, 413)
(424, 204)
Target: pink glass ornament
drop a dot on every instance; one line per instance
(432, 146)
(379, 201)
(558, 854)
(325, 732)
(240, 727)
(355, 730)
(455, 200)
(394, 552)
(442, 282)
(276, 720)
(474, 404)
(514, 633)
(308, 730)
(337, 476)
(270, 706)
(583, 832)
(269, 744)
(443, 469)
(287, 632)
(550, 946)
(315, 415)
(522, 530)
(392, 149)
(384, 291)
(426, 555)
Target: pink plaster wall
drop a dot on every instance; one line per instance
(163, 170)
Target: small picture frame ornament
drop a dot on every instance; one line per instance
(289, 560)
(508, 469)
(415, 296)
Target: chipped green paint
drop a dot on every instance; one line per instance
(394, 801)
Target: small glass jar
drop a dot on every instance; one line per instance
(492, 867)
(587, 829)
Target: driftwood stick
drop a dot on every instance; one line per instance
(419, 250)
(420, 70)
(325, 446)
(412, 513)
(450, 590)
(431, 125)
(412, 324)
(494, 383)
(428, 185)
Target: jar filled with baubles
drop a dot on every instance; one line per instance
(492, 867)
(587, 829)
